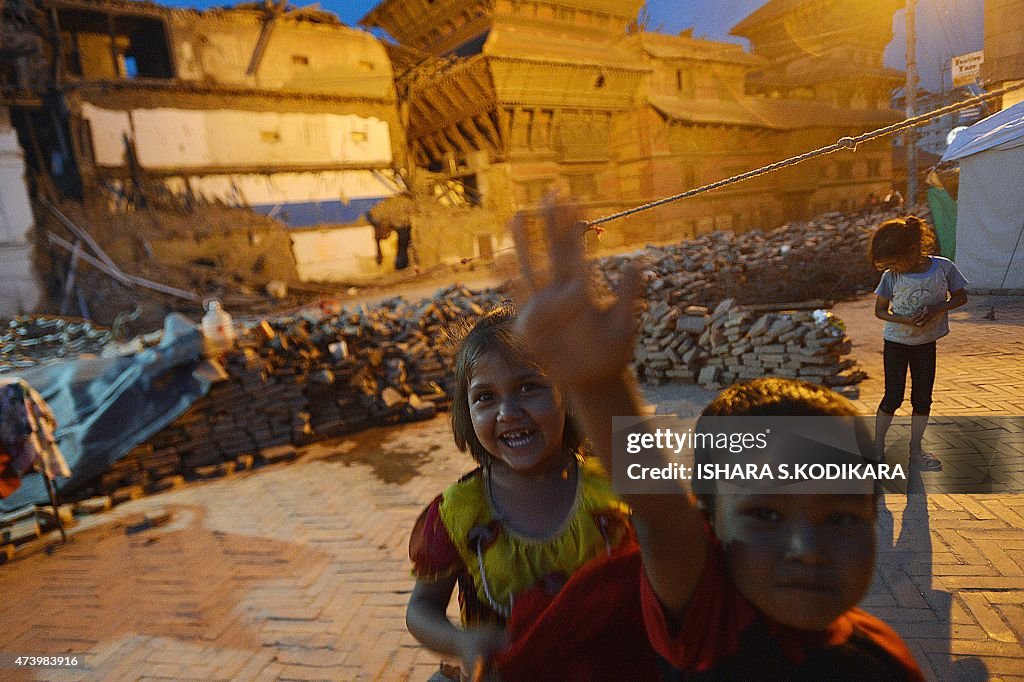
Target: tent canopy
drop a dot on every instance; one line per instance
(990, 209)
(1002, 130)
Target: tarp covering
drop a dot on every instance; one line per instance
(1002, 130)
(106, 406)
(990, 203)
(943, 210)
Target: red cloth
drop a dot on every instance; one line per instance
(10, 480)
(722, 631)
(430, 548)
(590, 629)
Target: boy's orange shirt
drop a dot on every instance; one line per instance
(723, 636)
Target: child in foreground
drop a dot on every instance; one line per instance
(513, 533)
(745, 586)
(914, 296)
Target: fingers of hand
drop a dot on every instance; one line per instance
(564, 226)
(629, 292)
(531, 278)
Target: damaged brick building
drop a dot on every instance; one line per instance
(284, 112)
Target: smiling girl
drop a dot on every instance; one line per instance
(512, 533)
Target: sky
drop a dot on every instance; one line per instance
(944, 27)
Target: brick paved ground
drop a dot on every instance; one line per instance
(298, 572)
(953, 581)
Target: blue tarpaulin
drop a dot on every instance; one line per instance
(106, 406)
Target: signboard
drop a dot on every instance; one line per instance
(966, 68)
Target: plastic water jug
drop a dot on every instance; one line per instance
(218, 332)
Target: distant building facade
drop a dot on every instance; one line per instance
(525, 95)
(1004, 48)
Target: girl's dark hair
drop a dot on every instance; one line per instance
(494, 333)
(899, 238)
(775, 397)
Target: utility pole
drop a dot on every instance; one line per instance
(910, 138)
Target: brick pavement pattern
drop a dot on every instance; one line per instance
(950, 575)
(299, 571)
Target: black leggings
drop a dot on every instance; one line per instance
(921, 360)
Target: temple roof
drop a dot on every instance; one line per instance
(770, 10)
(663, 46)
(538, 47)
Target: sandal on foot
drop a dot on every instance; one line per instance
(927, 461)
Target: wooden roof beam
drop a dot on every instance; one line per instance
(420, 154)
(486, 126)
(434, 150)
(468, 127)
(461, 144)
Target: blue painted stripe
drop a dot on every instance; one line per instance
(311, 213)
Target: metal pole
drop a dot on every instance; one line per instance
(51, 489)
(910, 138)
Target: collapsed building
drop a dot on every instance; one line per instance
(521, 96)
(285, 113)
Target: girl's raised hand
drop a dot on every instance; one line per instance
(579, 341)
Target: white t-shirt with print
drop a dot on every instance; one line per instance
(911, 292)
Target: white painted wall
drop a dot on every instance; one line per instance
(260, 190)
(19, 289)
(176, 138)
(336, 254)
(196, 141)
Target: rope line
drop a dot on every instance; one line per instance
(838, 145)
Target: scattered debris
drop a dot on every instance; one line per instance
(141, 522)
(28, 340)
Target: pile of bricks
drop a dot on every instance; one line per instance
(822, 259)
(681, 341)
(734, 343)
(294, 380)
(784, 344)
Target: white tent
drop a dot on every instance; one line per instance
(990, 205)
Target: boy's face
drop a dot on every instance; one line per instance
(802, 560)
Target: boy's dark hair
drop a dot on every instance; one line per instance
(901, 237)
(494, 332)
(774, 397)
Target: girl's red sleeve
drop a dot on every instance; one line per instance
(433, 555)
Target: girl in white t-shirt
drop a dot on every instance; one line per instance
(915, 294)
